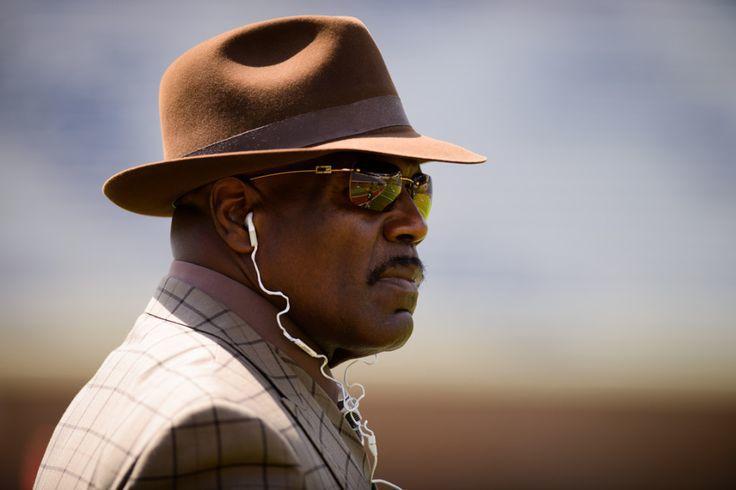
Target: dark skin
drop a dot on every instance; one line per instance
(331, 258)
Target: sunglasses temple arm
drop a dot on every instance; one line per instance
(318, 171)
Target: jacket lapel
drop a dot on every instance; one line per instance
(181, 303)
(324, 433)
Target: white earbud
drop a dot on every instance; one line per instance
(251, 229)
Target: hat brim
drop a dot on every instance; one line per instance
(151, 188)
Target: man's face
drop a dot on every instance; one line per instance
(350, 273)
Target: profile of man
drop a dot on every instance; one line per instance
(293, 180)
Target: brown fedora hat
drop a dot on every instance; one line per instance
(271, 94)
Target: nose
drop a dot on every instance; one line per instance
(404, 223)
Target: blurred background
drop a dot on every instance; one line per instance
(577, 328)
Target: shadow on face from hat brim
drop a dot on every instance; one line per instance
(152, 188)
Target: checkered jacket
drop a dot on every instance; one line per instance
(194, 398)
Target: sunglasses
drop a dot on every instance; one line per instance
(375, 184)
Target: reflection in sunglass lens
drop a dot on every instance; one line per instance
(374, 191)
(375, 185)
(422, 194)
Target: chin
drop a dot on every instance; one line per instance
(401, 327)
(394, 331)
(392, 334)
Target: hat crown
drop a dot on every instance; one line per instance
(266, 72)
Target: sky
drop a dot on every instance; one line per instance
(596, 250)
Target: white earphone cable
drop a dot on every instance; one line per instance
(350, 404)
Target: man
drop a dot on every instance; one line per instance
(293, 180)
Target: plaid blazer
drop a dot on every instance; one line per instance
(194, 398)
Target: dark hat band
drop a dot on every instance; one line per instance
(316, 127)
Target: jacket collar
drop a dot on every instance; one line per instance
(179, 302)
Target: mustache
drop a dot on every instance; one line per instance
(401, 260)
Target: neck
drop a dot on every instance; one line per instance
(258, 312)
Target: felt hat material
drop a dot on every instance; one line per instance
(268, 95)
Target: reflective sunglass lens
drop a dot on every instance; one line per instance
(374, 192)
(422, 194)
(375, 185)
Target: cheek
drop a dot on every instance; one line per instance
(325, 261)
(323, 266)
(344, 253)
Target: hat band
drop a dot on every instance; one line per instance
(316, 127)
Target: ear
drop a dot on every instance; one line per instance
(231, 200)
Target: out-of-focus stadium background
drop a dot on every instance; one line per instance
(578, 325)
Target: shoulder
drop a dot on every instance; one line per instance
(168, 395)
(160, 354)
(201, 415)
(210, 444)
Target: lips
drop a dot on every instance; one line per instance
(406, 276)
(402, 283)
(403, 287)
